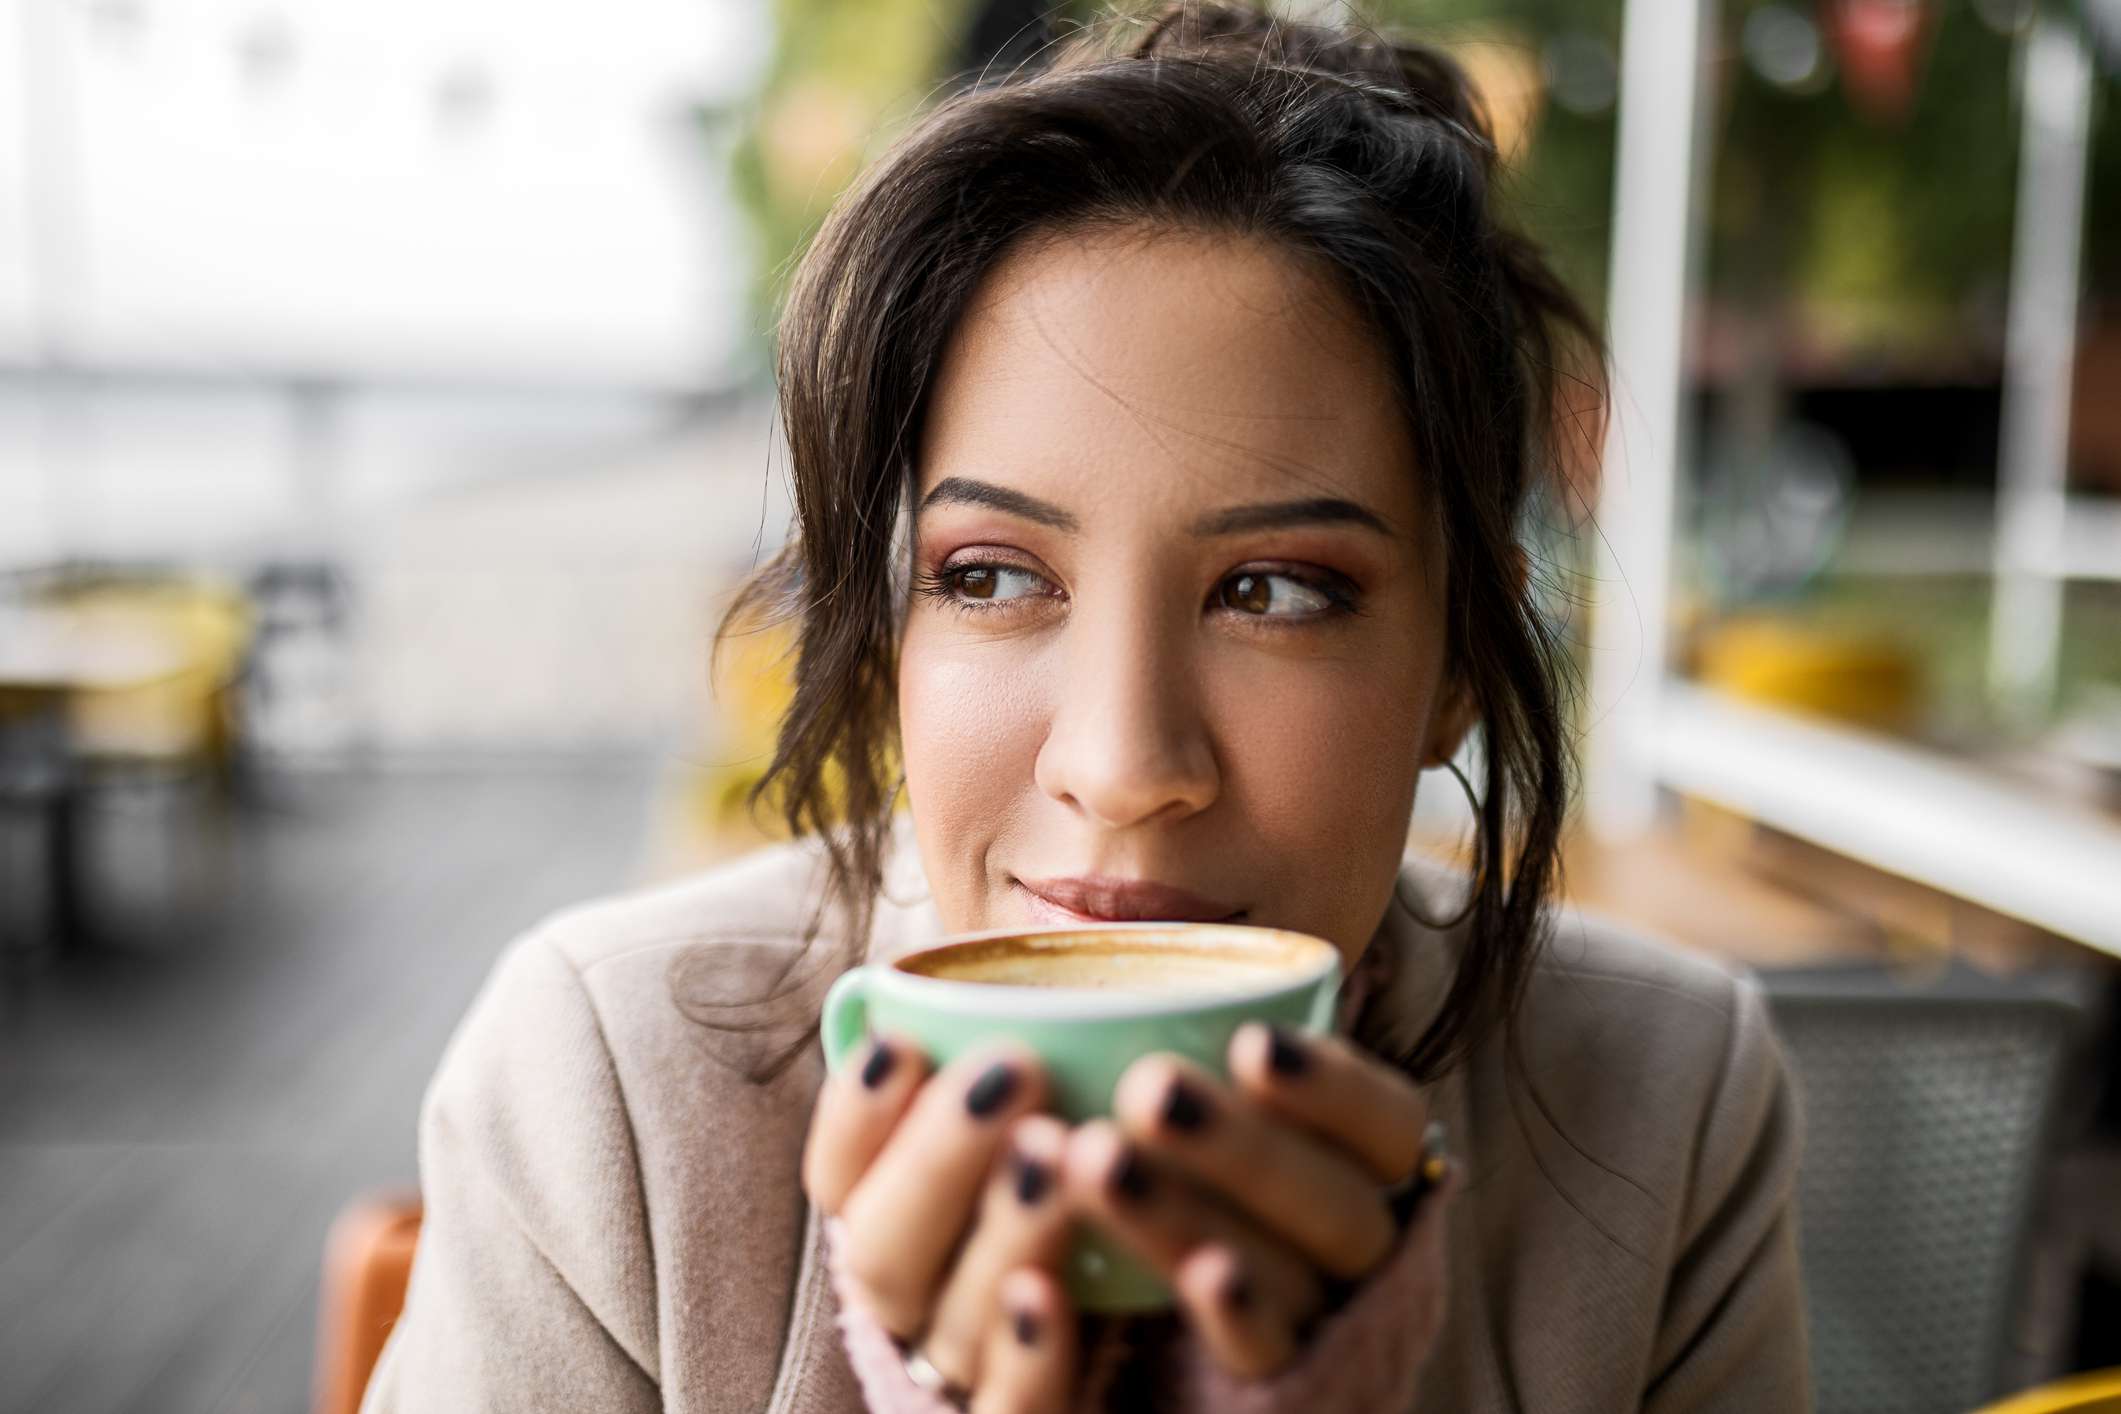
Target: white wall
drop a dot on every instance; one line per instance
(395, 188)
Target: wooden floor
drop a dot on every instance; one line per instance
(183, 1112)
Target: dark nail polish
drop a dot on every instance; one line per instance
(1130, 1176)
(1284, 1055)
(1026, 1328)
(992, 1090)
(881, 1059)
(1032, 1180)
(1237, 1292)
(1184, 1110)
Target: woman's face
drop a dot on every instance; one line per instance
(1176, 643)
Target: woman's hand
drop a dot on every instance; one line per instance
(903, 1161)
(1257, 1199)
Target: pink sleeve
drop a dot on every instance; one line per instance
(871, 1350)
(1365, 1358)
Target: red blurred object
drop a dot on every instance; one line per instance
(1880, 45)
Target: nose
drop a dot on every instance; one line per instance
(1128, 742)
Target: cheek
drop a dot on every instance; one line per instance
(1324, 744)
(1322, 762)
(969, 728)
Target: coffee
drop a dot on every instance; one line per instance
(1089, 1001)
(1147, 960)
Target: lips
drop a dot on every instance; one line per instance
(1100, 899)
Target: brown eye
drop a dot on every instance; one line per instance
(1248, 592)
(1272, 596)
(991, 584)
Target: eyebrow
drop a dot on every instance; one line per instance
(1266, 515)
(964, 491)
(1279, 515)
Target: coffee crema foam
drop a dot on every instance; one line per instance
(1115, 965)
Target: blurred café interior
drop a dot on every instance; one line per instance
(385, 419)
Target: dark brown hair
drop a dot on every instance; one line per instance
(1369, 159)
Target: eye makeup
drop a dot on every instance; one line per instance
(973, 583)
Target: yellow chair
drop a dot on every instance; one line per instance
(754, 684)
(184, 719)
(2096, 1393)
(1850, 675)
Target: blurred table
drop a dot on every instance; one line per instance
(48, 658)
(50, 651)
(1720, 884)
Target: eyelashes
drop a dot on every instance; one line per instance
(949, 587)
(973, 587)
(976, 584)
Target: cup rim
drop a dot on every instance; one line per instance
(1076, 1003)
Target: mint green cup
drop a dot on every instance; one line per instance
(1215, 977)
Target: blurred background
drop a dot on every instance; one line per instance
(385, 421)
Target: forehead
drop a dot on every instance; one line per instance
(1217, 360)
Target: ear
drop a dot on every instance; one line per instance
(1455, 717)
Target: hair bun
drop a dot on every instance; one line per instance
(1403, 75)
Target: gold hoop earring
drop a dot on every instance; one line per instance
(1480, 874)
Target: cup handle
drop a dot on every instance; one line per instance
(844, 1020)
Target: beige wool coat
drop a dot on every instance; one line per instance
(610, 1148)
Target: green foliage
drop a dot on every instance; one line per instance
(1877, 236)
(1879, 232)
(845, 77)
(1559, 186)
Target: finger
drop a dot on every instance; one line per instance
(857, 1108)
(1023, 1221)
(1322, 1200)
(1163, 1219)
(1335, 1090)
(1243, 1334)
(1253, 1339)
(1425, 1319)
(907, 1212)
(1028, 1364)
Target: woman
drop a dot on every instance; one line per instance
(1161, 423)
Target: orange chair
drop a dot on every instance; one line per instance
(367, 1262)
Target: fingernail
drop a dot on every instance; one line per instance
(1130, 1176)
(1026, 1328)
(992, 1090)
(1184, 1110)
(1284, 1055)
(1032, 1180)
(1237, 1291)
(881, 1059)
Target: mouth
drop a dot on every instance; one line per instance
(1101, 899)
